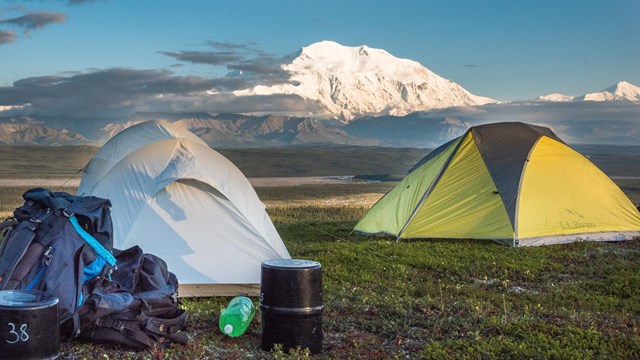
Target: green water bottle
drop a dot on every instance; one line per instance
(237, 316)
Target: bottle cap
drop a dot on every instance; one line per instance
(228, 329)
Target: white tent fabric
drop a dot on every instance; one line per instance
(125, 142)
(179, 199)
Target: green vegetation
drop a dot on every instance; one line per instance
(613, 160)
(320, 191)
(43, 162)
(631, 188)
(431, 299)
(443, 300)
(435, 299)
(323, 160)
(62, 162)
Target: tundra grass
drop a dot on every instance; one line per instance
(432, 299)
(43, 162)
(321, 191)
(439, 299)
(62, 162)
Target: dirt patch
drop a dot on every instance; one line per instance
(336, 201)
(301, 180)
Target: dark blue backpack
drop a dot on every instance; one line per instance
(62, 244)
(59, 243)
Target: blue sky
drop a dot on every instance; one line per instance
(507, 50)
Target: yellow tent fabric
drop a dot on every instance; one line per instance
(464, 203)
(393, 210)
(563, 193)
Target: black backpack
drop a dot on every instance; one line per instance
(62, 244)
(137, 307)
(57, 242)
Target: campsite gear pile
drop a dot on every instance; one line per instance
(62, 244)
(236, 317)
(28, 325)
(291, 304)
(514, 183)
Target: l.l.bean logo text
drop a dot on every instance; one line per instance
(568, 225)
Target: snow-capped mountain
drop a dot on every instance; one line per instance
(620, 91)
(350, 82)
(555, 97)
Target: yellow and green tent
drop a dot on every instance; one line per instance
(514, 183)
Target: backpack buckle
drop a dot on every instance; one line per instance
(68, 213)
(48, 256)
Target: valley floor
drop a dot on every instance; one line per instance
(257, 181)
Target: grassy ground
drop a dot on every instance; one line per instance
(442, 299)
(631, 188)
(431, 299)
(64, 161)
(43, 162)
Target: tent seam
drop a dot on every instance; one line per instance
(516, 218)
(433, 184)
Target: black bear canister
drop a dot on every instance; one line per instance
(28, 325)
(291, 304)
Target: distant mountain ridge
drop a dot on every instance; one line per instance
(585, 122)
(269, 131)
(24, 130)
(622, 91)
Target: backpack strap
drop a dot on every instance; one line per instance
(47, 233)
(117, 331)
(95, 244)
(168, 328)
(8, 223)
(151, 333)
(20, 240)
(5, 229)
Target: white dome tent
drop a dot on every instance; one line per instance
(179, 199)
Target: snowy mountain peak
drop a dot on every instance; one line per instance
(626, 90)
(620, 91)
(342, 60)
(555, 97)
(349, 82)
(339, 55)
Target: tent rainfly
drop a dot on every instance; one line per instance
(179, 199)
(513, 183)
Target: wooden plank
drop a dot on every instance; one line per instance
(207, 290)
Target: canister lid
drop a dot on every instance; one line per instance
(290, 263)
(26, 299)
